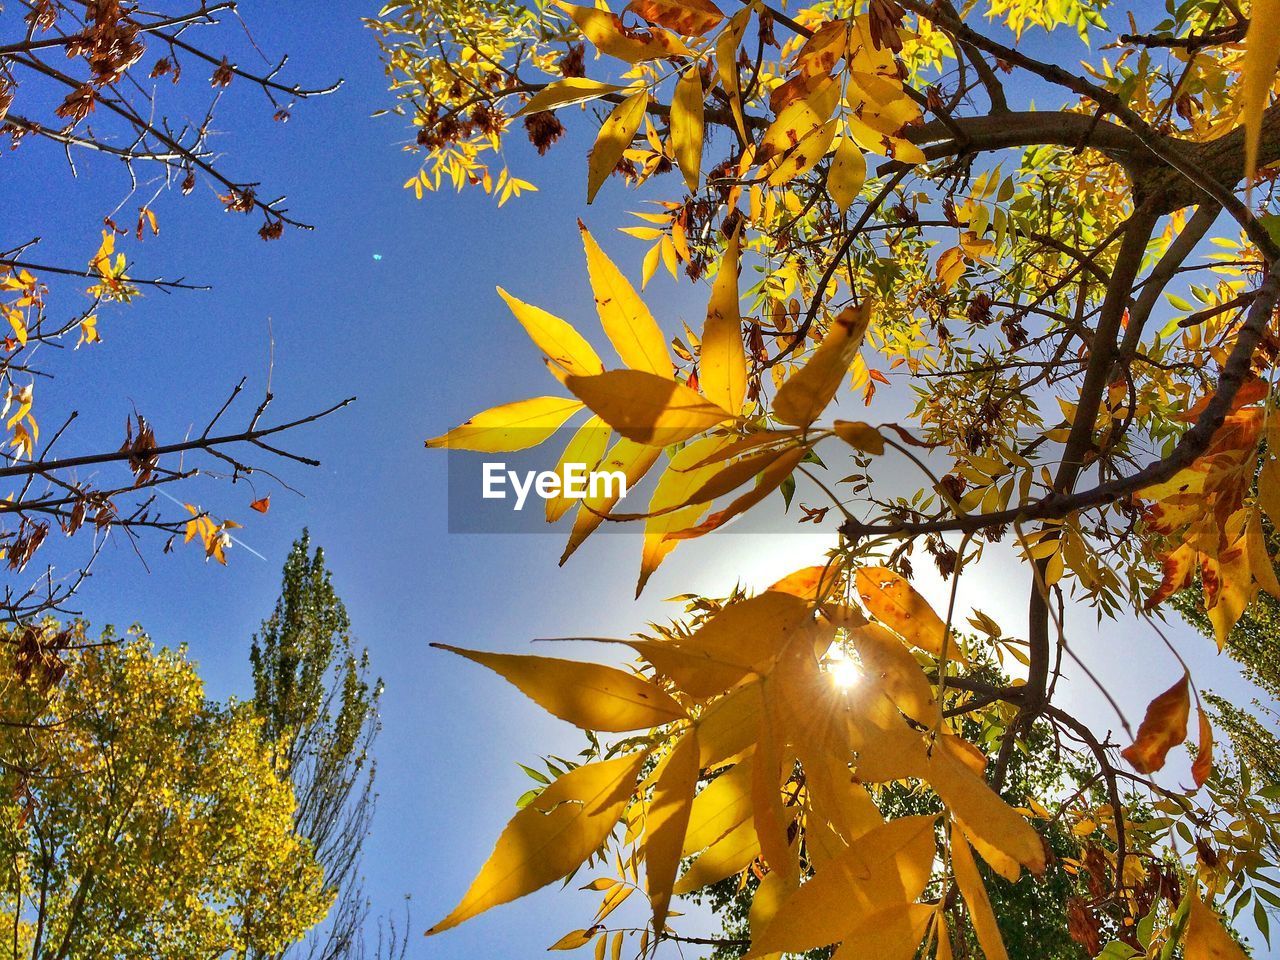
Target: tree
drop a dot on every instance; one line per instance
(101, 83)
(319, 716)
(992, 278)
(140, 819)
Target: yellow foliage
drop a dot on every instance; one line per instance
(139, 776)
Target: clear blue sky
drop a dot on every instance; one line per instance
(423, 341)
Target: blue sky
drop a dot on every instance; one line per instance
(422, 339)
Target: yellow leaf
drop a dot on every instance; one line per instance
(743, 636)
(808, 391)
(650, 265)
(19, 325)
(1269, 484)
(824, 49)
(975, 247)
(614, 137)
(993, 823)
(677, 483)
(588, 695)
(768, 898)
(887, 747)
(1228, 587)
(88, 330)
(771, 478)
(890, 933)
(882, 144)
(723, 804)
(625, 318)
(895, 603)
(606, 33)
(888, 118)
(888, 867)
(751, 633)
(798, 120)
(645, 407)
(847, 174)
(729, 724)
(666, 822)
(695, 674)
(886, 660)
(552, 836)
(723, 374)
(512, 426)
(1261, 567)
(573, 940)
(814, 584)
(975, 897)
(801, 157)
(943, 950)
(773, 768)
(950, 267)
(731, 854)
(1206, 937)
(588, 447)
(616, 897)
(1262, 51)
(631, 459)
(563, 93)
(1177, 568)
(882, 91)
(727, 65)
(729, 478)
(860, 436)
(996, 859)
(687, 125)
(556, 338)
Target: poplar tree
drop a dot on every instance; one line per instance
(319, 709)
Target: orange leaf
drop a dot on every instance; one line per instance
(1163, 728)
(262, 504)
(1177, 567)
(691, 18)
(1203, 765)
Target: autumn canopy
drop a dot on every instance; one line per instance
(1043, 289)
(985, 296)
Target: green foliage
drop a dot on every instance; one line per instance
(320, 717)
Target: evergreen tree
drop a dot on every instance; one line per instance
(320, 717)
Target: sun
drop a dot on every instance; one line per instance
(844, 671)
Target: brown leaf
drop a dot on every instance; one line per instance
(1163, 728)
(691, 18)
(1203, 764)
